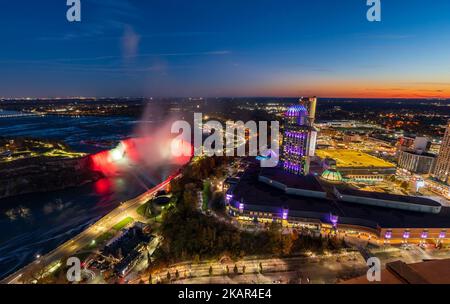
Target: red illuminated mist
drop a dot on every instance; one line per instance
(152, 148)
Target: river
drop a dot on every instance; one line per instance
(34, 224)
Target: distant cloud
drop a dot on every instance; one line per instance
(87, 61)
(110, 17)
(130, 42)
(386, 36)
(100, 35)
(431, 83)
(392, 36)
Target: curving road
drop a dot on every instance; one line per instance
(85, 238)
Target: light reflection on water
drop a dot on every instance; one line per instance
(41, 222)
(37, 223)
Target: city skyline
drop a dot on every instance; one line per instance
(129, 48)
(229, 142)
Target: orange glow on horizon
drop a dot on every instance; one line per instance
(356, 89)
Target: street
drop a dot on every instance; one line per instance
(325, 269)
(126, 209)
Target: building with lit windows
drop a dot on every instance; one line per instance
(271, 195)
(322, 203)
(442, 168)
(398, 272)
(416, 162)
(299, 137)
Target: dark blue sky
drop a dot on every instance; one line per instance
(225, 48)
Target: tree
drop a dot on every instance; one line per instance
(287, 244)
(190, 196)
(197, 259)
(149, 261)
(275, 239)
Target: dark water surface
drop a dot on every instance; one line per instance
(35, 224)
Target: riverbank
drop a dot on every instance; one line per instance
(84, 238)
(43, 174)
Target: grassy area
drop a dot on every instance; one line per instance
(353, 159)
(123, 223)
(158, 219)
(104, 237)
(142, 209)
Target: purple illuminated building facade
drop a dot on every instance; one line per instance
(299, 137)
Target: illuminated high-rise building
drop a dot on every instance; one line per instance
(442, 168)
(299, 137)
(310, 103)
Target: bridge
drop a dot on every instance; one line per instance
(12, 114)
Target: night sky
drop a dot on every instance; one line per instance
(225, 48)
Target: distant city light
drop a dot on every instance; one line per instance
(241, 207)
(285, 214)
(334, 220)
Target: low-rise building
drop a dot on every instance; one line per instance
(442, 168)
(427, 272)
(416, 162)
(305, 201)
(358, 166)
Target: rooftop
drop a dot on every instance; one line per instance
(428, 272)
(424, 154)
(390, 197)
(353, 159)
(258, 196)
(297, 110)
(256, 193)
(292, 180)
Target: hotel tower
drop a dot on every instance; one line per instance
(299, 137)
(442, 168)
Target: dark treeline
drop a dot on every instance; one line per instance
(190, 234)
